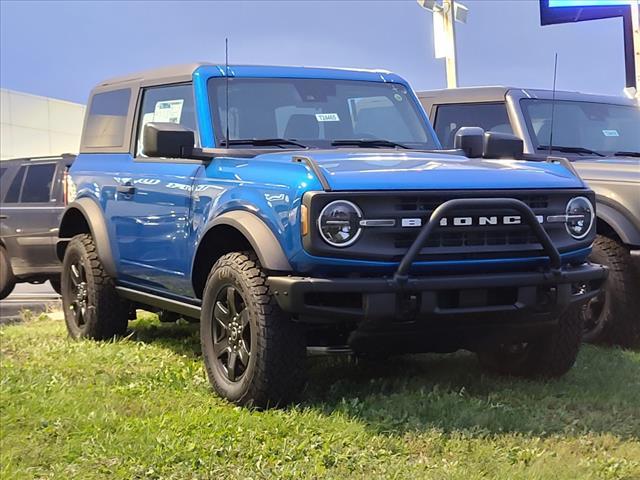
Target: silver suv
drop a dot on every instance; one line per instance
(600, 135)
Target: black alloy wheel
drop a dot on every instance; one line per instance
(78, 293)
(91, 304)
(254, 354)
(232, 333)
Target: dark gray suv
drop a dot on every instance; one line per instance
(32, 199)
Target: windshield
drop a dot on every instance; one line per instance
(600, 127)
(321, 113)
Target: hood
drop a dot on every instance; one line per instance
(376, 169)
(623, 169)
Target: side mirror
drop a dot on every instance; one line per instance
(502, 145)
(470, 140)
(164, 139)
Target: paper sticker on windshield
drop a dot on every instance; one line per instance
(168, 111)
(327, 117)
(610, 133)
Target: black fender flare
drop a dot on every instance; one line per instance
(94, 218)
(619, 219)
(259, 235)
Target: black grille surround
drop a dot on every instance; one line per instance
(462, 242)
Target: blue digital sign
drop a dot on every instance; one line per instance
(553, 12)
(588, 3)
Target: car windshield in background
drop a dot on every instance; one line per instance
(580, 127)
(322, 113)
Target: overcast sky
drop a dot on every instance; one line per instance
(61, 49)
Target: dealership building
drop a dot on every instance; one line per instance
(31, 125)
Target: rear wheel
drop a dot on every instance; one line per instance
(551, 355)
(7, 280)
(92, 307)
(612, 316)
(253, 353)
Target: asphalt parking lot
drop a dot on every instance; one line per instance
(35, 298)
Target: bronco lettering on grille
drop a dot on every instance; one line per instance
(472, 221)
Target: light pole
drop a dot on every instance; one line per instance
(445, 15)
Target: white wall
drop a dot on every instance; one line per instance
(32, 126)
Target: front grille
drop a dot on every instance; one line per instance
(509, 236)
(427, 204)
(447, 242)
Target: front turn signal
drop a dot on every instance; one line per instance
(304, 220)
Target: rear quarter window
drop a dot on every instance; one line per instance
(37, 184)
(107, 119)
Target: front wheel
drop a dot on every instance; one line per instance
(253, 353)
(551, 355)
(92, 307)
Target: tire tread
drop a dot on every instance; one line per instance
(279, 368)
(110, 311)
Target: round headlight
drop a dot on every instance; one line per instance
(580, 216)
(339, 223)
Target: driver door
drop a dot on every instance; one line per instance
(154, 197)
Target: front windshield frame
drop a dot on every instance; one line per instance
(216, 91)
(537, 142)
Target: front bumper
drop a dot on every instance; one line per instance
(493, 295)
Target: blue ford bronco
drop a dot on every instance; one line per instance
(299, 209)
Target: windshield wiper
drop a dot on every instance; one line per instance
(373, 142)
(586, 151)
(627, 154)
(262, 142)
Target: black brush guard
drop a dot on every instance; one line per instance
(544, 291)
(401, 275)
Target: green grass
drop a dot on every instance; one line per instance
(141, 407)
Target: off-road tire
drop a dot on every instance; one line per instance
(7, 280)
(106, 312)
(550, 355)
(619, 319)
(275, 371)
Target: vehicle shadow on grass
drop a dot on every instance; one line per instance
(452, 393)
(181, 337)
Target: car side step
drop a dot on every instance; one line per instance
(164, 303)
(335, 350)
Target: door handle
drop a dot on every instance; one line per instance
(126, 189)
(4, 217)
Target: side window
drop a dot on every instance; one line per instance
(13, 193)
(173, 104)
(107, 119)
(489, 116)
(37, 184)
